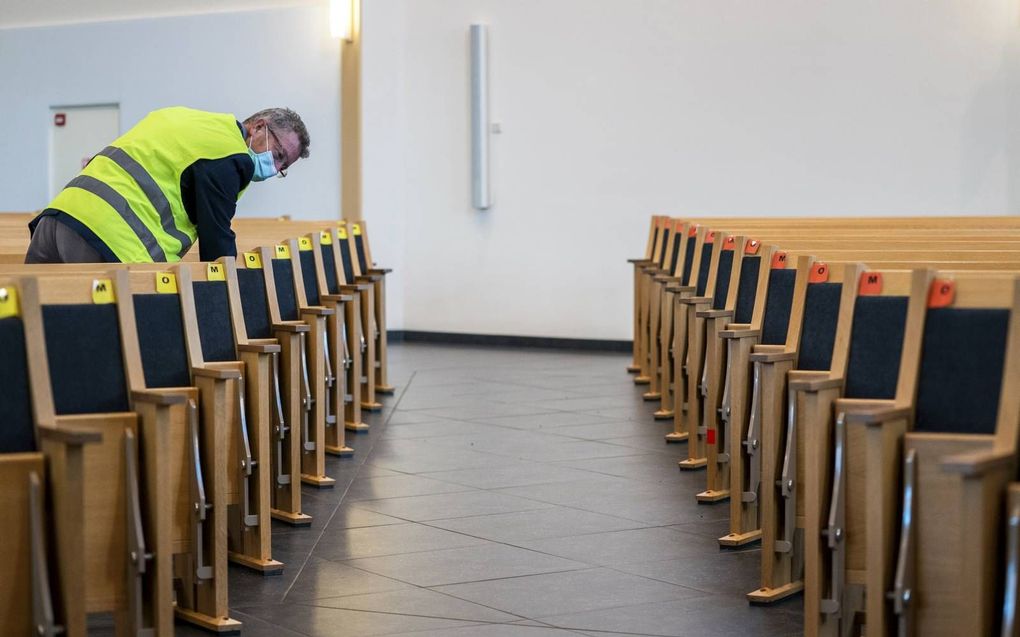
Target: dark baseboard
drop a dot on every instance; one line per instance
(490, 340)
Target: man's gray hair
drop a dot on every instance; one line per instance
(284, 119)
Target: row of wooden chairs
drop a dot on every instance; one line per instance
(851, 387)
(158, 418)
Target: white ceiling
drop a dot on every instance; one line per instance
(24, 13)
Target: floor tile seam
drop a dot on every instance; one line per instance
(355, 505)
(526, 548)
(706, 593)
(340, 500)
(551, 627)
(243, 610)
(505, 488)
(544, 413)
(467, 489)
(637, 452)
(432, 587)
(567, 506)
(383, 612)
(617, 568)
(445, 594)
(603, 473)
(402, 553)
(549, 537)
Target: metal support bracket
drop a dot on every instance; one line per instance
(42, 599)
(137, 557)
(306, 399)
(280, 427)
(902, 594)
(752, 442)
(248, 463)
(787, 482)
(200, 504)
(835, 532)
(725, 409)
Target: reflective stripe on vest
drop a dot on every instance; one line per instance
(152, 191)
(118, 203)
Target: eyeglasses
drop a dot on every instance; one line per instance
(278, 156)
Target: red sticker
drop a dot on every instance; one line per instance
(870, 284)
(710, 438)
(752, 246)
(942, 293)
(678, 225)
(778, 260)
(819, 273)
(729, 243)
(693, 232)
(710, 237)
(59, 119)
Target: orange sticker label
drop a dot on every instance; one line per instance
(678, 225)
(819, 273)
(693, 232)
(752, 247)
(730, 243)
(942, 293)
(778, 260)
(870, 284)
(710, 237)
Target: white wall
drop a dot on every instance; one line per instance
(614, 110)
(611, 111)
(236, 62)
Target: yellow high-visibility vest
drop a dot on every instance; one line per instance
(129, 195)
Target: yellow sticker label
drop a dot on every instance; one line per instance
(326, 238)
(9, 302)
(166, 283)
(214, 272)
(282, 251)
(356, 229)
(102, 292)
(304, 244)
(342, 233)
(253, 260)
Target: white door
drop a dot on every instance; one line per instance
(77, 133)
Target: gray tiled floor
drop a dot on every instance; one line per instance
(506, 493)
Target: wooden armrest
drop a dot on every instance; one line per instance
(382, 271)
(772, 356)
(804, 380)
(665, 278)
(68, 436)
(294, 327)
(679, 289)
(715, 313)
(978, 463)
(739, 330)
(696, 300)
(337, 298)
(158, 397)
(223, 371)
(372, 278)
(259, 348)
(871, 411)
(653, 268)
(641, 261)
(318, 310)
(356, 287)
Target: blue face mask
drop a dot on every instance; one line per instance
(265, 165)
